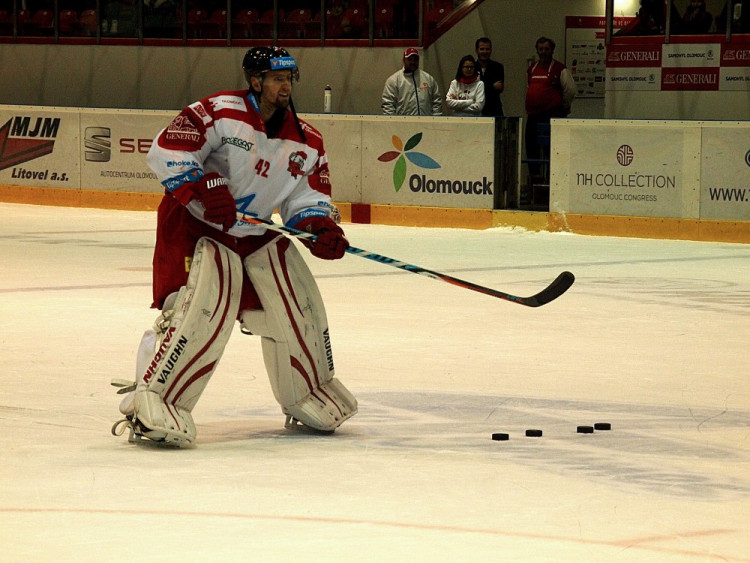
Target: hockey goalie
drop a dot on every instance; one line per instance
(243, 151)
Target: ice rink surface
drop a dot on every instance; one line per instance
(654, 338)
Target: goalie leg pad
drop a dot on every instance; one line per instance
(192, 335)
(295, 338)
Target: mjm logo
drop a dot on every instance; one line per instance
(22, 139)
(404, 152)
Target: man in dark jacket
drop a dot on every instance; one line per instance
(493, 76)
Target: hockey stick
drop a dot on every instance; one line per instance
(554, 290)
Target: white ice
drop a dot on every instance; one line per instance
(653, 337)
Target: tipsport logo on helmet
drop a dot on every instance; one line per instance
(281, 63)
(420, 182)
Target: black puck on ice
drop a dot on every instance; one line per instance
(602, 426)
(585, 429)
(534, 433)
(499, 436)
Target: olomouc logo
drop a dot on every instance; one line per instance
(404, 152)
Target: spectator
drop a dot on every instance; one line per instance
(466, 93)
(697, 19)
(411, 91)
(493, 77)
(648, 20)
(550, 93)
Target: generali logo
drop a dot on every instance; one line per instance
(25, 138)
(403, 153)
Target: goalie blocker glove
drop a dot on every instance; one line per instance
(330, 242)
(212, 191)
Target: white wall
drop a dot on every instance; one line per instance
(171, 77)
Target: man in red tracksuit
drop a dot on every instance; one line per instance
(550, 93)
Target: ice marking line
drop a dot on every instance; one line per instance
(89, 232)
(569, 265)
(74, 287)
(633, 543)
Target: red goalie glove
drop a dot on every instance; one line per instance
(330, 244)
(213, 192)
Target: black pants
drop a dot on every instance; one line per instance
(533, 148)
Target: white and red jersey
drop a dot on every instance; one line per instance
(224, 133)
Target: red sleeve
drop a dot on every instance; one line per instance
(320, 180)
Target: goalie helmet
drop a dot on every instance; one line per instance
(259, 60)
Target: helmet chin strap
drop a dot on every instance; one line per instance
(252, 97)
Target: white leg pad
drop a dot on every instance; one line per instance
(193, 334)
(295, 338)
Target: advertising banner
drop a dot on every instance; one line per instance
(38, 147)
(735, 66)
(585, 52)
(725, 173)
(626, 170)
(684, 64)
(113, 148)
(429, 162)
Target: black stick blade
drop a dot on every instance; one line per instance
(560, 285)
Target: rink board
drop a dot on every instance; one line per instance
(435, 171)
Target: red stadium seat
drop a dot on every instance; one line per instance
(68, 22)
(384, 21)
(6, 23)
(89, 22)
(216, 25)
(263, 28)
(433, 17)
(42, 23)
(293, 24)
(195, 20)
(242, 24)
(24, 19)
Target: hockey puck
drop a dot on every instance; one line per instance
(499, 436)
(534, 433)
(585, 429)
(602, 426)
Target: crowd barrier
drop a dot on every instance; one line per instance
(663, 179)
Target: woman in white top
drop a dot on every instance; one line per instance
(466, 92)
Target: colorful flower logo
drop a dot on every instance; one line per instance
(404, 152)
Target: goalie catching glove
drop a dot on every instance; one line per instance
(330, 242)
(212, 191)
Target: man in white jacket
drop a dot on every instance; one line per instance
(411, 91)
